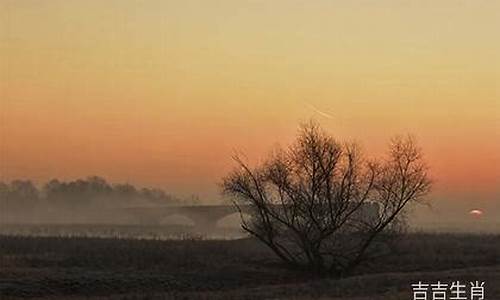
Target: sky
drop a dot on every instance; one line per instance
(163, 93)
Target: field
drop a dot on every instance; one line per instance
(193, 268)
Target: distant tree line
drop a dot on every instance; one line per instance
(92, 192)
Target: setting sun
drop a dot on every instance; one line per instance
(476, 212)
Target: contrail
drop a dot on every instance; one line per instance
(324, 114)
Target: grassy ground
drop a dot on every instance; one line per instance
(106, 268)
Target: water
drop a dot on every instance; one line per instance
(157, 232)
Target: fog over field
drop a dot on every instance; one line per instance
(94, 201)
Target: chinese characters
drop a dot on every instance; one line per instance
(444, 291)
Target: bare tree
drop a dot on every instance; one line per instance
(322, 206)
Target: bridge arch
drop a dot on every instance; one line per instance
(201, 217)
(231, 220)
(206, 218)
(176, 219)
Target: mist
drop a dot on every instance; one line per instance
(90, 200)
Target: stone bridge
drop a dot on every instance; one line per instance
(205, 217)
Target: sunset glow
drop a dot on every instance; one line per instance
(162, 93)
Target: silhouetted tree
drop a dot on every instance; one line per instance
(125, 194)
(19, 195)
(126, 189)
(54, 193)
(95, 192)
(4, 194)
(322, 206)
(21, 198)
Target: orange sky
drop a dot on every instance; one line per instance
(161, 93)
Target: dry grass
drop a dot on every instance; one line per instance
(104, 268)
